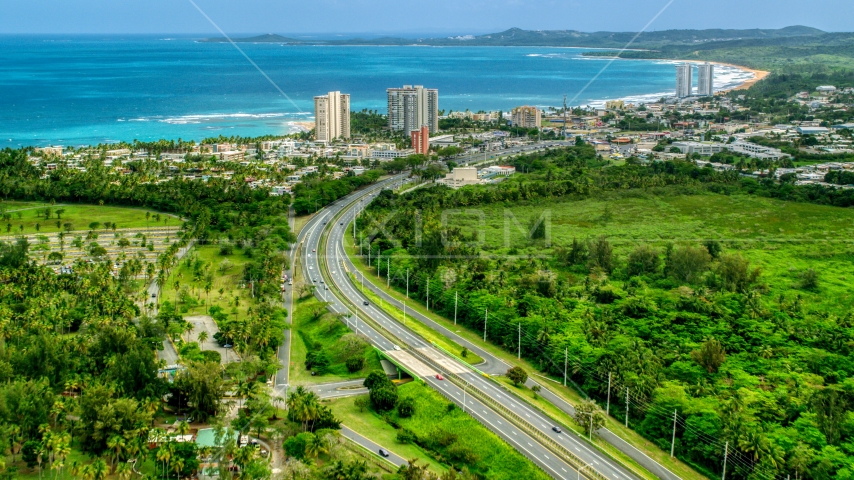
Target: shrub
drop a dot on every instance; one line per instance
(601, 255)
(383, 398)
(809, 279)
(354, 364)
(710, 356)
(405, 436)
(406, 407)
(644, 260)
(607, 294)
(688, 264)
(517, 375)
(733, 273)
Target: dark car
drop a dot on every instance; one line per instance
(557, 429)
(366, 303)
(383, 452)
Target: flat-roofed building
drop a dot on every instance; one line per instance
(332, 116)
(412, 107)
(461, 177)
(526, 116)
(421, 140)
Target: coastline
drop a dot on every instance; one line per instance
(758, 75)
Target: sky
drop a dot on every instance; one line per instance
(409, 17)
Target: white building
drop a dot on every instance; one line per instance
(683, 80)
(410, 108)
(756, 151)
(461, 177)
(332, 116)
(705, 149)
(706, 80)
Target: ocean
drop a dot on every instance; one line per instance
(79, 90)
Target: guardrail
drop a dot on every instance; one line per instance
(527, 427)
(517, 420)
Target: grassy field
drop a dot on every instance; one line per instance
(227, 282)
(568, 394)
(459, 438)
(28, 214)
(371, 425)
(329, 334)
(783, 238)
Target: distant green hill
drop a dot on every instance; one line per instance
(268, 38)
(563, 38)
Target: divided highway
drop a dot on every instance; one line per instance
(352, 304)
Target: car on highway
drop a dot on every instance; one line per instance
(342, 224)
(395, 347)
(557, 429)
(383, 452)
(365, 303)
(439, 376)
(313, 250)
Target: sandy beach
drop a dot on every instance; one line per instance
(302, 126)
(757, 76)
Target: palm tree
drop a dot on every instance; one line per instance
(183, 427)
(100, 469)
(124, 471)
(202, 338)
(115, 443)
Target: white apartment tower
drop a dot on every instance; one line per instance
(705, 80)
(412, 107)
(683, 80)
(332, 116)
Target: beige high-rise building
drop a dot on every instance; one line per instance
(332, 116)
(527, 117)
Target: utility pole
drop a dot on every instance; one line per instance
(563, 133)
(379, 272)
(627, 407)
(590, 432)
(673, 439)
(608, 405)
(726, 452)
(455, 308)
(407, 283)
(404, 312)
(428, 294)
(565, 362)
(485, 319)
(519, 344)
(388, 272)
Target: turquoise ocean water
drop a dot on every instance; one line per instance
(76, 90)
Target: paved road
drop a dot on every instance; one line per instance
(168, 354)
(206, 323)
(495, 366)
(347, 388)
(374, 447)
(284, 352)
(528, 446)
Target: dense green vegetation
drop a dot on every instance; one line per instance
(315, 193)
(324, 345)
(75, 346)
(718, 296)
(423, 417)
